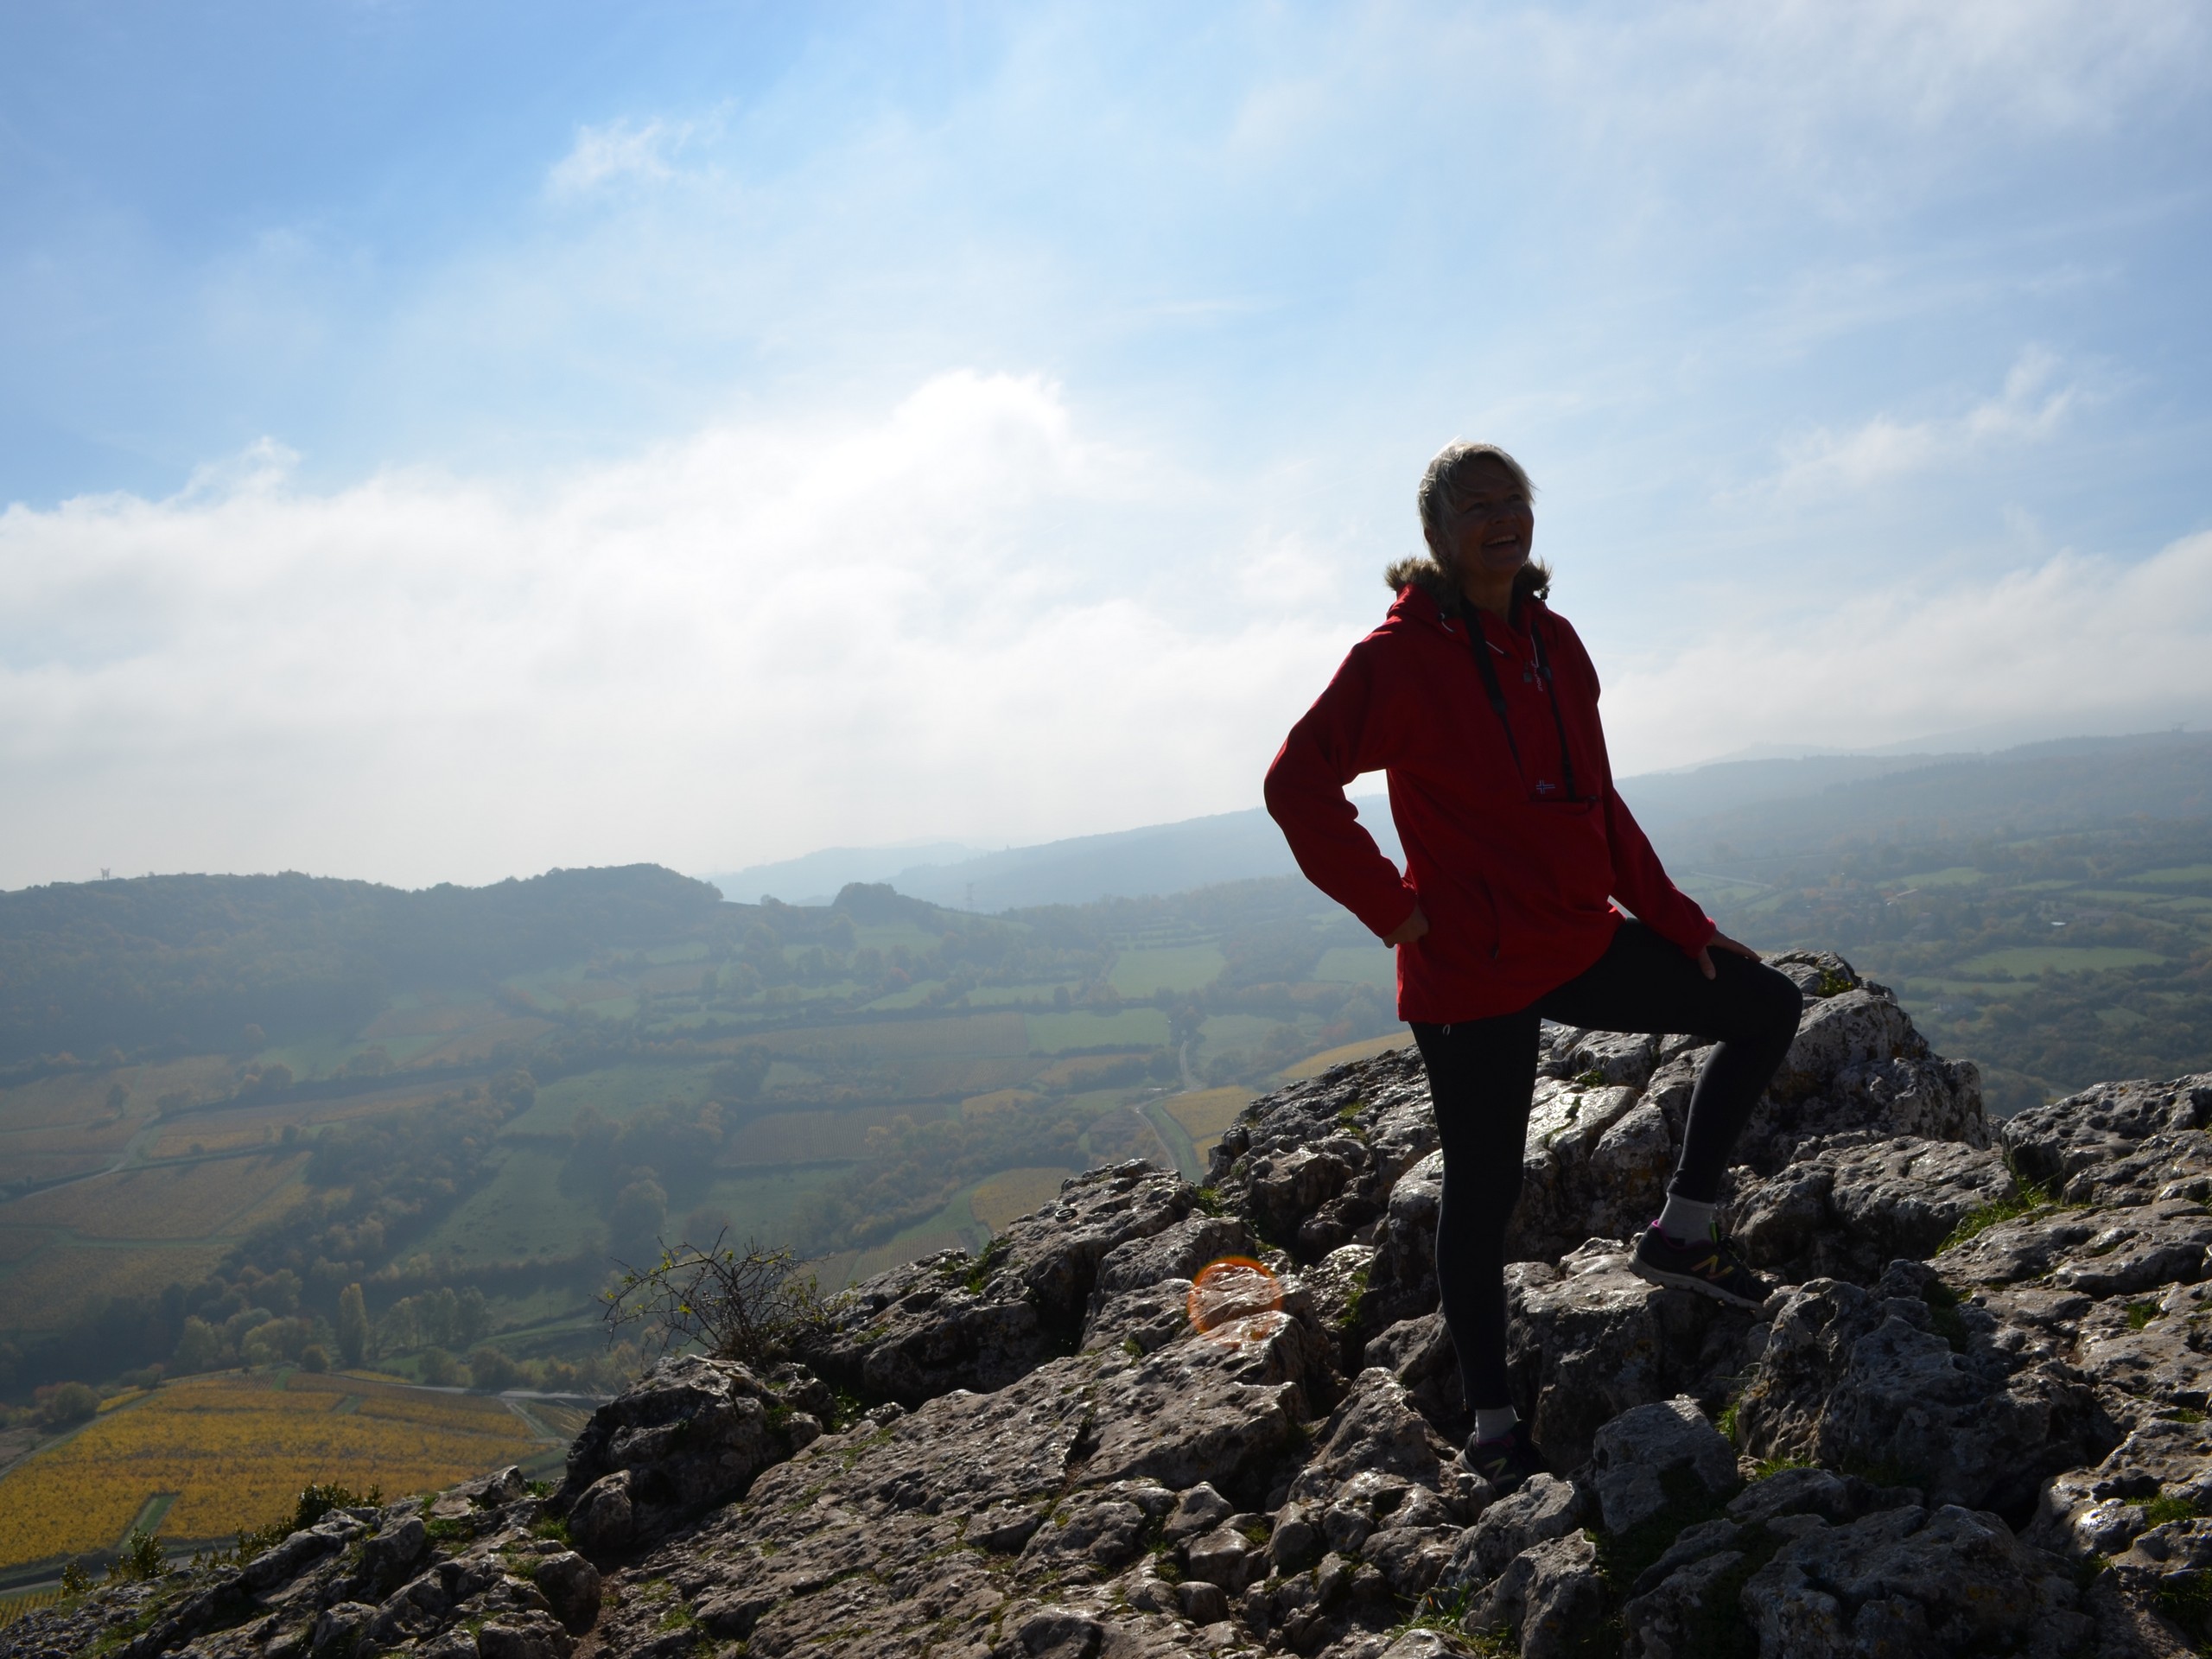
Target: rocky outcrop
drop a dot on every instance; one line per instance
(1973, 1422)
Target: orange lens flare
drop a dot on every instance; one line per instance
(1229, 1289)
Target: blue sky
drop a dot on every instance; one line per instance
(447, 441)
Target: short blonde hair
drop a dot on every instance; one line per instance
(1440, 486)
(1439, 495)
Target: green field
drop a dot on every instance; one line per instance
(1058, 1033)
(1140, 973)
(1957, 875)
(1225, 1031)
(2023, 960)
(520, 1214)
(1358, 964)
(471, 1144)
(617, 1092)
(2053, 962)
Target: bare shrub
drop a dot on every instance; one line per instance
(744, 1305)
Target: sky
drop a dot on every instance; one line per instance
(441, 442)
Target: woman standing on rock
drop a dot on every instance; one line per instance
(1478, 702)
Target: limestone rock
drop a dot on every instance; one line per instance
(1915, 1581)
(1544, 1508)
(1078, 1449)
(1866, 1378)
(950, 1321)
(1590, 1341)
(1549, 1596)
(695, 1433)
(1601, 1057)
(1857, 1064)
(1313, 1164)
(1848, 1205)
(1640, 1454)
(2103, 1134)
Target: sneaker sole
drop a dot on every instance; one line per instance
(1685, 1282)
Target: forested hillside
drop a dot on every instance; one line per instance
(2054, 961)
(225, 1102)
(247, 1117)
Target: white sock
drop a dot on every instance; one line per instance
(1685, 1220)
(1494, 1422)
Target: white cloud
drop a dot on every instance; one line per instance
(2074, 643)
(961, 616)
(2028, 410)
(619, 150)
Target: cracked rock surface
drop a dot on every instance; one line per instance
(1973, 1420)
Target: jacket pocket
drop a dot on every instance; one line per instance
(1496, 941)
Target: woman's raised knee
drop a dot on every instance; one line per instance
(1778, 1003)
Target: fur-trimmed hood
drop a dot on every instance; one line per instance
(1422, 571)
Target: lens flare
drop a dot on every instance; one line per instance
(1229, 1290)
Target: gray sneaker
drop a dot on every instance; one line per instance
(1708, 1266)
(1504, 1462)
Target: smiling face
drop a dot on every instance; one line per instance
(1488, 530)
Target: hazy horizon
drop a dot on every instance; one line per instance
(445, 444)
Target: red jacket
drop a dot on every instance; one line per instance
(1514, 879)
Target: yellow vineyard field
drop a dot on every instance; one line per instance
(81, 1096)
(999, 1100)
(1083, 1072)
(1365, 1049)
(186, 1201)
(237, 1450)
(805, 1137)
(979, 1034)
(479, 1045)
(108, 1132)
(57, 1284)
(14, 1607)
(1011, 1194)
(252, 1126)
(1206, 1114)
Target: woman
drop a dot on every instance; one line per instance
(1479, 702)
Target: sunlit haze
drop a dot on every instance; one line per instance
(444, 442)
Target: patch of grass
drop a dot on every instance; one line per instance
(1436, 1612)
(1943, 1315)
(1881, 1472)
(2030, 1198)
(1719, 1629)
(1767, 1468)
(986, 1265)
(2140, 1315)
(2186, 1599)
(1592, 1078)
(845, 1409)
(1349, 1320)
(553, 1527)
(1622, 1558)
(2159, 1510)
(1834, 983)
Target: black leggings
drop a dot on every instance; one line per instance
(1482, 1074)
